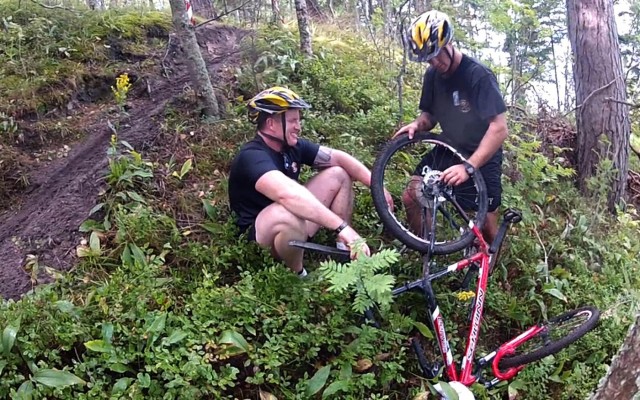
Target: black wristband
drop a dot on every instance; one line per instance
(343, 225)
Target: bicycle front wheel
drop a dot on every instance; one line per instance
(431, 216)
(557, 334)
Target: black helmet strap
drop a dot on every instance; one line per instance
(451, 60)
(283, 141)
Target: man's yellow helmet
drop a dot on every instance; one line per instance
(274, 100)
(428, 34)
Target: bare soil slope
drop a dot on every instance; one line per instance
(44, 219)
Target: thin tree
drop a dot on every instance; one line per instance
(600, 89)
(203, 8)
(276, 15)
(195, 63)
(303, 27)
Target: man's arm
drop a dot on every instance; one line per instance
(328, 157)
(424, 122)
(297, 199)
(491, 142)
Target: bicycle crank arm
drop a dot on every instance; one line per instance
(333, 251)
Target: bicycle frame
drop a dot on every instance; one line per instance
(470, 369)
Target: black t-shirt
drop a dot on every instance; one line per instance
(463, 103)
(254, 160)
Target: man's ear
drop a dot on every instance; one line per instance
(270, 122)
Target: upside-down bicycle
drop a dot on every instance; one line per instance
(447, 228)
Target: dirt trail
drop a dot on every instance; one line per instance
(63, 192)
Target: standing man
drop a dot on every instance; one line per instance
(463, 96)
(270, 204)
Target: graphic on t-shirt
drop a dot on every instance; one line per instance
(456, 98)
(465, 106)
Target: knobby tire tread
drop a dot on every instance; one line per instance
(556, 346)
(386, 216)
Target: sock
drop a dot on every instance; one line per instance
(302, 273)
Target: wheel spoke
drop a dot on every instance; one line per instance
(394, 168)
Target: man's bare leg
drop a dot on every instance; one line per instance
(275, 227)
(334, 188)
(490, 228)
(412, 206)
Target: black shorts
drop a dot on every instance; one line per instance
(441, 158)
(249, 231)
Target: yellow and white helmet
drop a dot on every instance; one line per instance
(428, 34)
(274, 100)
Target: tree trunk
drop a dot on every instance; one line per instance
(276, 16)
(555, 73)
(303, 27)
(622, 381)
(203, 8)
(598, 76)
(314, 10)
(195, 63)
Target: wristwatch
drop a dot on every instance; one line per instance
(469, 168)
(343, 225)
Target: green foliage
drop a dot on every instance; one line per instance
(170, 302)
(46, 52)
(362, 277)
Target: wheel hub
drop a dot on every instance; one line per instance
(432, 188)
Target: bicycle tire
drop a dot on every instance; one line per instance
(389, 220)
(593, 316)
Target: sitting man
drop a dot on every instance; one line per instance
(270, 204)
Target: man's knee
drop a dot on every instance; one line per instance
(411, 192)
(275, 220)
(336, 174)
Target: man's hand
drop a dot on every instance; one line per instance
(455, 175)
(409, 128)
(356, 243)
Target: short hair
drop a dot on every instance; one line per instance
(262, 119)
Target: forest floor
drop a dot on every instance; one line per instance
(41, 221)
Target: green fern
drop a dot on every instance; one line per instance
(364, 277)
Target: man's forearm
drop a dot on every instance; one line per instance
(303, 204)
(493, 139)
(425, 122)
(356, 170)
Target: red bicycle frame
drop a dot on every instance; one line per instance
(470, 368)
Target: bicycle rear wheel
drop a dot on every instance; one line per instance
(557, 334)
(433, 202)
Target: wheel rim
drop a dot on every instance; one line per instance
(434, 201)
(555, 331)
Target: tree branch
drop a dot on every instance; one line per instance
(632, 105)
(56, 6)
(581, 106)
(219, 16)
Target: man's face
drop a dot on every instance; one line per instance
(442, 61)
(293, 126)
